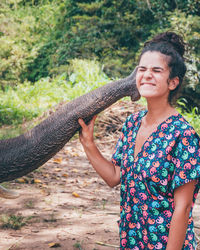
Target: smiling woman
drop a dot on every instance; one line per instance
(153, 76)
(157, 157)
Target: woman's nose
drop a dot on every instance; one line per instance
(147, 73)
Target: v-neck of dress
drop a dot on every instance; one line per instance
(151, 134)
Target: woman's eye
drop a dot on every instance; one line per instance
(141, 70)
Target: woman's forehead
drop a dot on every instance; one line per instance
(154, 59)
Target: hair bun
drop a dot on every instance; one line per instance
(172, 38)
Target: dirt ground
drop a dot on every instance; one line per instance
(64, 204)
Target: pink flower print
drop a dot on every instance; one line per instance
(182, 175)
(125, 163)
(146, 145)
(156, 164)
(143, 196)
(164, 238)
(130, 124)
(145, 214)
(151, 156)
(144, 231)
(142, 221)
(141, 245)
(123, 234)
(129, 139)
(144, 207)
(130, 133)
(132, 191)
(123, 241)
(164, 182)
(145, 239)
(158, 245)
(135, 248)
(152, 170)
(150, 246)
(160, 154)
(193, 161)
(167, 213)
(155, 179)
(159, 220)
(128, 216)
(178, 163)
(160, 197)
(187, 166)
(169, 120)
(150, 138)
(135, 200)
(187, 132)
(177, 133)
(191, 149)
(168, 137)
(144, 174)
(164, 126)
(190, 237)
(151, 221)
(185, 141)
(168, 149)
(172, 143)
(138, 225)
(127, 209)
(132, 183)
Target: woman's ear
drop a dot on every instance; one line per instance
(173, 83)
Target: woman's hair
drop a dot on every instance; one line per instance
(172, 45)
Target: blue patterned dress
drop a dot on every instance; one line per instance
(169, 158)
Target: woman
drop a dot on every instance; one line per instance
(157, 158)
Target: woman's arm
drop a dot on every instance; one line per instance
(183, 197)
(109, 173)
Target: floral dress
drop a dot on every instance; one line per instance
(169, 158)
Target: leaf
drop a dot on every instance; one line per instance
(37, 181)
(65, 175)
(57, 160)
(21, 180)
(75, 195)
(54, 244)
(74, 170)
(57, 169)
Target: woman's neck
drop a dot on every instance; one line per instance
(158, 111)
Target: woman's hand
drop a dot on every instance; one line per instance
(86, 133)
(109, 173)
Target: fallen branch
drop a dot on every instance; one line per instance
(105, 244)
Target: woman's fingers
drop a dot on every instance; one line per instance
(91, 123)
(82, 123)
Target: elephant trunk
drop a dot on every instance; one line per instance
(23, 154)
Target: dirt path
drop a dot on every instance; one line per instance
(65, 205)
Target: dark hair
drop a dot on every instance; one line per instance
(172, 45)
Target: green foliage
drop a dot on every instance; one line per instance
(24, 29)
(13, 221)
(26, 101)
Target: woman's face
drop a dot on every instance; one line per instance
(152, 76)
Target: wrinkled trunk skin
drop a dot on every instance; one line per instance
(23, 154)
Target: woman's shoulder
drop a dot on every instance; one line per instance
(185, 128)
(136, 116)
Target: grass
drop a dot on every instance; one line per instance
(13, 221)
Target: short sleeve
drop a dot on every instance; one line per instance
(186, 160)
